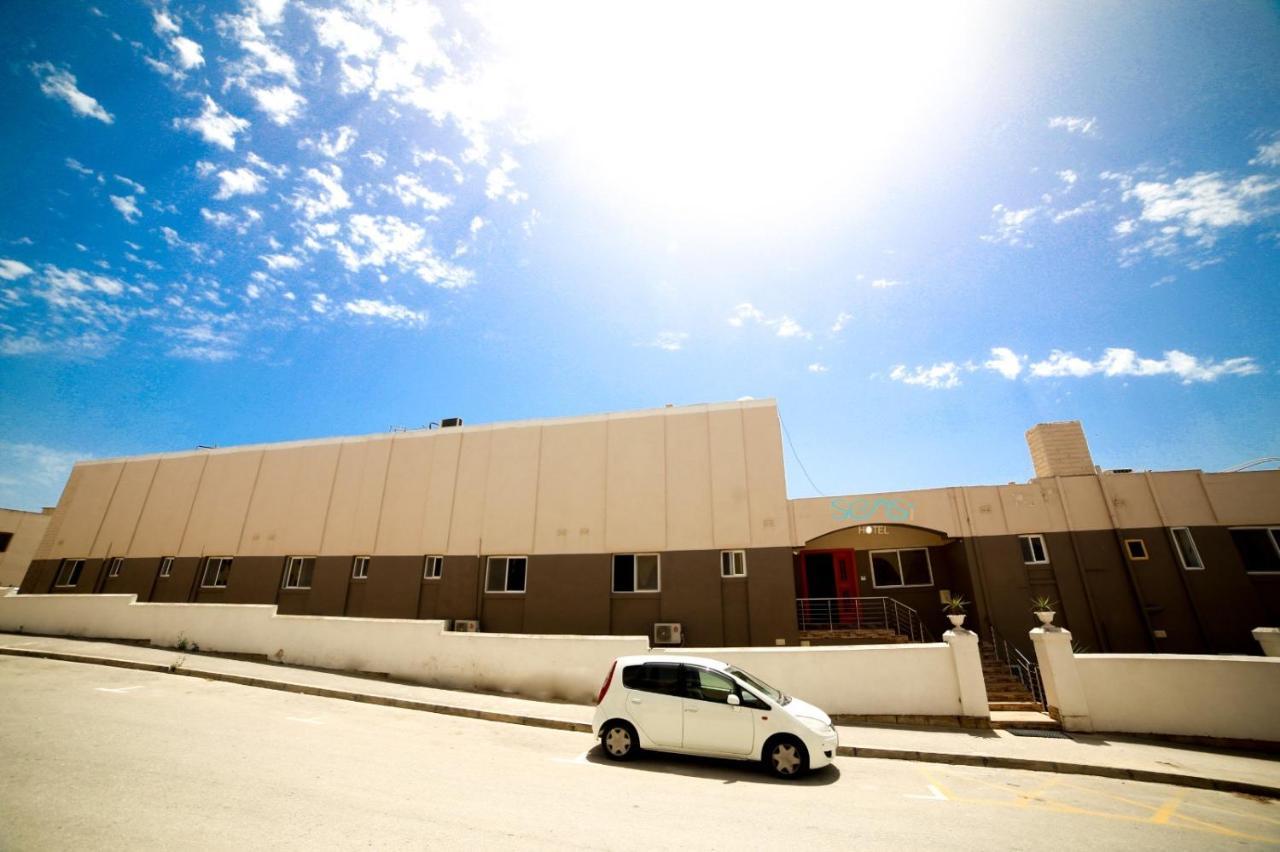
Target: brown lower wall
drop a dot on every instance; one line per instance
(1110, 603)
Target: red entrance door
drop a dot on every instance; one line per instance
(825, 580)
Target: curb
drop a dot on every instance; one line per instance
(949, 758)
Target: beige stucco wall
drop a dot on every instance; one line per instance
(1135, 500)
(28, 528)
(694, 477)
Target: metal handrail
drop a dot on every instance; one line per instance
(877, 613)
(1027, 672)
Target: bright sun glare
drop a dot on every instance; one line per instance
(729, 112)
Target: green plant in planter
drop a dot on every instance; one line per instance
(1043, 603)
(956, 606)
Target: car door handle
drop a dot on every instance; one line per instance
(636, 699)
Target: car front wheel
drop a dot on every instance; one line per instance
(619, 741)
(786, 757)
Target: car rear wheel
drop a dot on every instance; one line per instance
(786, 757)
(619, 741)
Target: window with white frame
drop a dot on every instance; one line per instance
(1135, 549)
(360, 568)
(896, 569)
(217, 570)
(166, 566)
(298, 571)
(1259, 548)
(733, 563)
(115, 565)
(506, 574)
(1034, 551)
(433, 568)
(636, 572)
(69, 573)
(1188, 554)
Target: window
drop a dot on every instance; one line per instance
(69, 573)
(635, 572)
(662, 678)
(899, 568)
(116, 565)
(5, 538)
(733, 563)
(506, 574)
(706, 685)
(1136, 548)
(1033, 550)
(1186, 547)
(433, 569)
(298, 571)
(360, 568)
(217, 569)
(166, 566)
(1259, 548)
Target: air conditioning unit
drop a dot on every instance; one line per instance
(464, 625)
(450, 422)
(668, 633)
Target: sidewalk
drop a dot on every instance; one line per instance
(1106, 756)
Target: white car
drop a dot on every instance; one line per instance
(693, 705)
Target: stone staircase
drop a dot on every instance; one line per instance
(1012, 704)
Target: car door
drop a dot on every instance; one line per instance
(711, 724)
(654, 702)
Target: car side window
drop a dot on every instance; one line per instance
(662, 678)
(706, 685)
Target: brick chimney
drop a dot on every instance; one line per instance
(1059, 449)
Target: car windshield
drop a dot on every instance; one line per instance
(759, 685)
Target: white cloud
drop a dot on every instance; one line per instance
(1061, 216)
(214, 124)
(1068, 177)
(269, 12)
(374, 157)
(1010, 226)
(60, 84)
(787, 327)
(1268, 155)
(943, 376)
(744, 312)
(138, 188)
(391, 311)
(276, 262)
(498, 183)
(201, 342)
(77, 166)
(783, 326)
(1005, 362)
(1075, 124)
(12, 270)
(381, 240)
(818, 367)
(884, 283)
(239, 181)
(190, 55)
(329, 198)
(127, 206)
(412, 192)
(336, 144)
(164, 23)
(34, 474)
(320, 303)
(1125, 362)
(842, 320)
(669, 341)
(281, 103)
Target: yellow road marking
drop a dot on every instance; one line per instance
(1161, 817)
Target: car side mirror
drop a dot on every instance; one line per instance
(733, 700)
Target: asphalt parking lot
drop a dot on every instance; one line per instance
(100, 757)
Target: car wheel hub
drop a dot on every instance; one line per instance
(618, 741)
(785, 759)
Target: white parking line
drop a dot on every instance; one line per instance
(935, 795)
(118, 689)
(581, 759)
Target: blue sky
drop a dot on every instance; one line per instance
(921, 228)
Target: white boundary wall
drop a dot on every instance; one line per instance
(942, 679)
(1220, 697)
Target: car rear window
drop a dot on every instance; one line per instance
(663, 678)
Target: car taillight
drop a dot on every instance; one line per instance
(608, 679)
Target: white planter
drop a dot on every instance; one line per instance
(1046, 618)
(956, 620)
